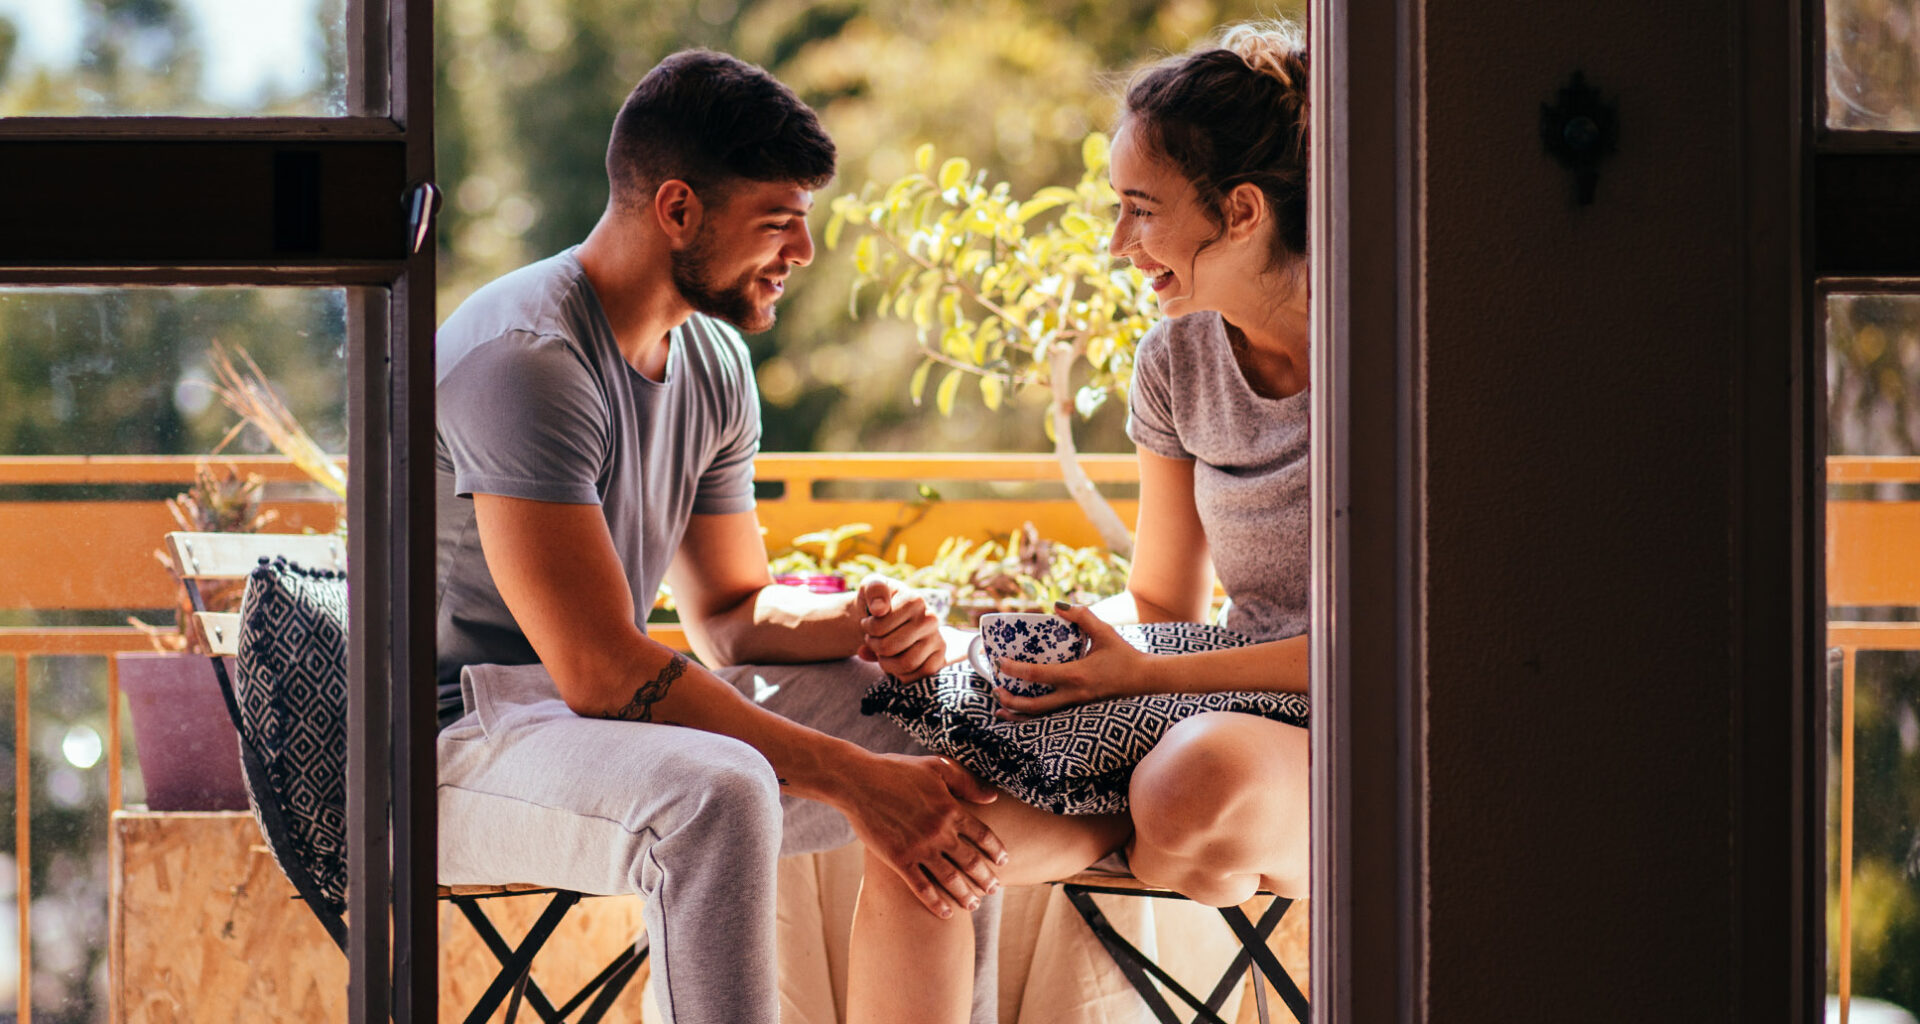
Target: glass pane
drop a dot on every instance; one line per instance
(1873, 589)
(119, 420)
(182, 57)
(1873, 65)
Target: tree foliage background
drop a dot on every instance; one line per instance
(526, 90)
(529, 87)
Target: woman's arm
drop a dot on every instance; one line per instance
(1172, 575)
(1171, 581)
(1115, 668)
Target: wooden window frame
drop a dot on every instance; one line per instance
(182, 201)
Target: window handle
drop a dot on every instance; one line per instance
(423, 201)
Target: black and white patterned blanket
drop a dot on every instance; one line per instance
(1077, 760)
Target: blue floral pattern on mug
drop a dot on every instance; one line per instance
(1035, 638)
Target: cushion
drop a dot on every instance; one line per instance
(1077, 760)
(291, 692)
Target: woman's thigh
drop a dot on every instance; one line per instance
(1225, 794)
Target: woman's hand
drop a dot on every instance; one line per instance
(1111, 668)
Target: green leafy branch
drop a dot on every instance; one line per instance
(1011, 293)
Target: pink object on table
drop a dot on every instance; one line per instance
(819, 583)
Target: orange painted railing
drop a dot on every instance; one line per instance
(98, 555)
(1873, 561)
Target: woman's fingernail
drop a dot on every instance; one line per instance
(1061, 606)
(1002, 859)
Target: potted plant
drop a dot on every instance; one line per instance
(1025, 572)
(189, 753)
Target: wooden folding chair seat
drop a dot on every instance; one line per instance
(205, 558)
(1142, 972)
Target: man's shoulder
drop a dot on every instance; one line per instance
(536, 307)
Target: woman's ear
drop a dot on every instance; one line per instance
(677, 210)
(1246, 211)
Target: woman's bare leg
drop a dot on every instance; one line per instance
(1220, 809)
(907, 966)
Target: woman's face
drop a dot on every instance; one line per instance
(1162, 228)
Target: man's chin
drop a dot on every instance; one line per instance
(755, 322)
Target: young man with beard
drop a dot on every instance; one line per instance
(597, 423)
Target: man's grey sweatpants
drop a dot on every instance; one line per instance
(692, 821)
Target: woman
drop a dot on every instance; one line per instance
(1209, 162)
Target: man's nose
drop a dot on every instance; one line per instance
(799, 252)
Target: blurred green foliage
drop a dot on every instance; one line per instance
(1873, 64)
(1873, 374)
(1024, 572)
(528, 90)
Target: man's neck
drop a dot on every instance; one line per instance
(630, 274)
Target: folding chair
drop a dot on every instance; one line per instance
(204, 558)
(1142, 972)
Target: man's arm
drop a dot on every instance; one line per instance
(558, 572)
(735, 615)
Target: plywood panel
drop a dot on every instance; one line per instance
(205, 928)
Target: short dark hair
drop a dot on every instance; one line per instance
(1232, 115)
(710, 119)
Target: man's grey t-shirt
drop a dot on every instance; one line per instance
(1190, 400)
(535, 401)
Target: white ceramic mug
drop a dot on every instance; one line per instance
(1037, 638)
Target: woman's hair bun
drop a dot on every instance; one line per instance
(1272, 48)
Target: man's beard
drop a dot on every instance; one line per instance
(730, 302)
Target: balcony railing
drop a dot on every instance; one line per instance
(92, 554)
(1873, 562)
(81, 534)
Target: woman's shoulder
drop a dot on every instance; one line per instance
(1191, 333)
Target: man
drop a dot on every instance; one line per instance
(596, 430)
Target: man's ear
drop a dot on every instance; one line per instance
(678, 210)
(1246, 210)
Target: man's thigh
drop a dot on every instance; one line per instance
(531, 792)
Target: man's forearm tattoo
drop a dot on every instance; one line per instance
(640, 708)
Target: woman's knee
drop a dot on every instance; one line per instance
(1188, 785)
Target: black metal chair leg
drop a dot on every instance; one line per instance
(606, 977)
(1136, 966)
(516, 963)
(519, 989)
(615, 985)
(1263, 957)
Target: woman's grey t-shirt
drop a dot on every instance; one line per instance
(1250, 475)
(533, 400)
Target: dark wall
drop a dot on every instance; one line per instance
(1580, 424)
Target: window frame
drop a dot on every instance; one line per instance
(1368, 830)
(1855, 241)
(391, 728)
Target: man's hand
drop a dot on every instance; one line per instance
(907, 811)
(901, 632)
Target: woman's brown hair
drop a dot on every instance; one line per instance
(1234, 114)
